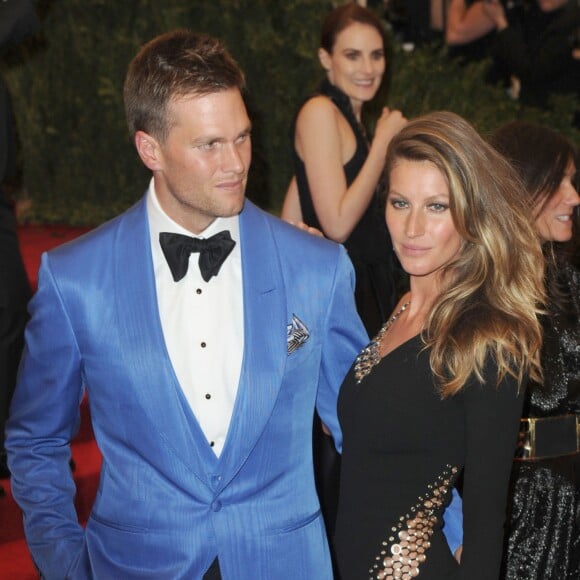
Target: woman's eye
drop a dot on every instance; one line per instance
(438, 207)
(398, 203)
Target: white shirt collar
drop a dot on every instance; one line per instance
(159, 221)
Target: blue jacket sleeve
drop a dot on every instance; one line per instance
(453, 522)
(345, 337)
(44, 417)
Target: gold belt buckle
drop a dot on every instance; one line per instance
(526, 446)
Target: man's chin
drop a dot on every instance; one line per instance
(234, 209)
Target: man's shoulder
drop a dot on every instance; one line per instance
(293, 240)
(103, 237)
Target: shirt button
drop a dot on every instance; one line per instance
(207, 396)
(198, 291)
(211, 443)
(203, 345)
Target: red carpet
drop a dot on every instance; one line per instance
(37, 239)
(15, 562)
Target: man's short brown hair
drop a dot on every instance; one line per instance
(173, 65)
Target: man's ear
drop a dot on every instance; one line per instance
(324, 59)
(149, 150)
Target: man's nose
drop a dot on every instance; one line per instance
(232, 159)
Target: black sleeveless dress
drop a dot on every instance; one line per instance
(543, 526)
(403, 450)
(369, 245)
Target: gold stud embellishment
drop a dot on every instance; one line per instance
(406, 551)
(369, 356)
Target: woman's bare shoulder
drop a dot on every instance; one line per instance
(317, 106)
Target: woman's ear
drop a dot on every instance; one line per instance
(324, 59)
(148, 149)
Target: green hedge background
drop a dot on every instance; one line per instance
(78, 163)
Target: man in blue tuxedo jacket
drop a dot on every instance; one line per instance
(205, 332)
(202, 386)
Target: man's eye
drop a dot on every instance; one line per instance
(208, 146)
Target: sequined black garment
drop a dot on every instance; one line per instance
(543, 533)
(403, 448)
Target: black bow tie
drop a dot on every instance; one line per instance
(212, 252)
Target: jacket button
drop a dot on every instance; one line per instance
(216, 505)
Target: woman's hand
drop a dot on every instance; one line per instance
(306, 228)
(388, 125)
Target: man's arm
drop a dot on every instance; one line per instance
(345, 337)
(44, 418)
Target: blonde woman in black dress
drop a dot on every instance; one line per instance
(439, 391)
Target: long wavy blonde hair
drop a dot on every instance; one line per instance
(494, 288)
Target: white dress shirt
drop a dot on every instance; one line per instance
(203, 324)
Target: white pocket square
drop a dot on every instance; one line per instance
(296, 334)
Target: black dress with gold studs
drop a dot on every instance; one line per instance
(403, 449)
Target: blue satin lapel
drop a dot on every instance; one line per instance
(264, 339)
(140, 327)
(264, 344)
